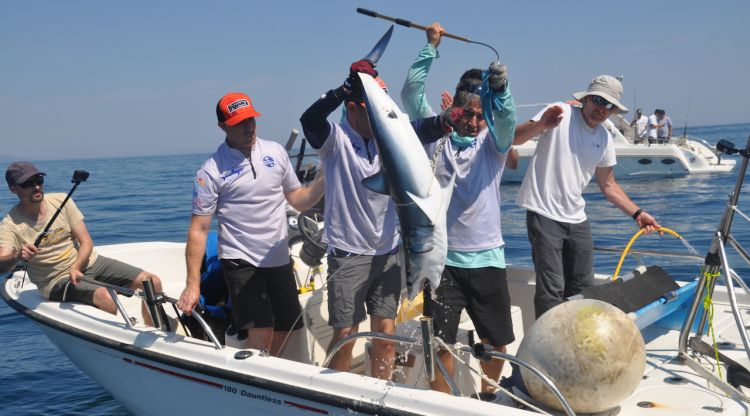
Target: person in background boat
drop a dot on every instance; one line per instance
(659, 127)
(247, 184)
(664, 132)
(474, 277)
(640, 124)
(573, 146)
(364, 274)
(67, 253)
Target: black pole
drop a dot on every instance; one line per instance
(427, 299)
(78, 177)
(151, 303)
(300, 156)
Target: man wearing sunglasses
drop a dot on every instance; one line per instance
(66, 254)
(474, 277)
(573, 146)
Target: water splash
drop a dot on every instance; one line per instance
(689, 247)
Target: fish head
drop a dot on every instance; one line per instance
(427, 247)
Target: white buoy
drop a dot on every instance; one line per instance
(590, 349)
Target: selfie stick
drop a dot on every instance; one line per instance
(78, 177)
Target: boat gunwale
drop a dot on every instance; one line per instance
(313, 395)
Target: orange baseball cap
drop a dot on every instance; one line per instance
(235, 107)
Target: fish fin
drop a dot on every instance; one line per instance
(376, 183)
(436, 201)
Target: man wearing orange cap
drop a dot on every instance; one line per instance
(573, 146)
(247, 184)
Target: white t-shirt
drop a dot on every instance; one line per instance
(641, 126)
(566, 158)
(652, 122)
(358, 220)
(251, 210)
(474, 215)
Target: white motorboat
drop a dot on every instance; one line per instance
(162, 371)
(636, 158)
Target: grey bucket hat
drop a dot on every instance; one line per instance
(607, 87)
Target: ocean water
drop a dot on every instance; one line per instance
(149, 198)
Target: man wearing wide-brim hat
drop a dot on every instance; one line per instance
(573, 145)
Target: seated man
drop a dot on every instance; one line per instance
(66, 253)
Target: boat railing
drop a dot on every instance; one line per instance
(154, 302)
(479, 351)
(715, 263)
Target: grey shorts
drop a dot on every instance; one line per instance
(359, 281)
(104, 270)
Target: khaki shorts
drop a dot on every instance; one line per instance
(104, 270)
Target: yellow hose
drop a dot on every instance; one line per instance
(632, 240)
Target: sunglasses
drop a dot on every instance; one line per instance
(601, 101)
(32, 182)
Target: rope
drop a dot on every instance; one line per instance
(708, 305)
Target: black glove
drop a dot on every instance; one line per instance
(450, 117)
(498, 77)
(353, 85)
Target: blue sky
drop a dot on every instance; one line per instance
(103, 78)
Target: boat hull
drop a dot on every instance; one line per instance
(152, 372)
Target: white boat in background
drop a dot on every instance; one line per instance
(163, 371)
(685, 155)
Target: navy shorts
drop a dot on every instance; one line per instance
(484, 294)
(263, 297)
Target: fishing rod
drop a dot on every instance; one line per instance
(292, 138)
(413, 25)
(684, 131)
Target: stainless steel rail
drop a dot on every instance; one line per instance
(483, 355)
(114, 289)
(715, 262)
(512, 358)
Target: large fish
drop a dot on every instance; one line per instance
(407, 176)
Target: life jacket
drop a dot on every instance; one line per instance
(214, 294)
